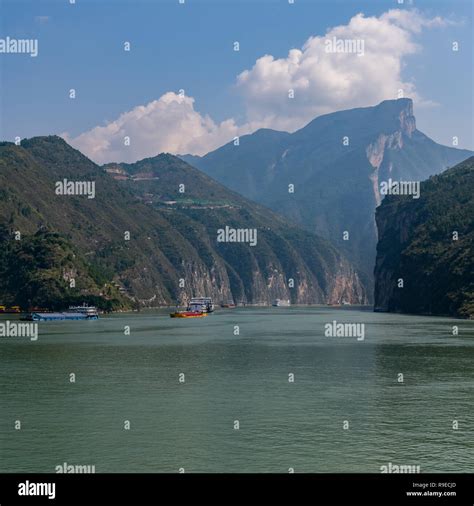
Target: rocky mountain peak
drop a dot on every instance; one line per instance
(407, 120)
(401, 111)
(405, 125)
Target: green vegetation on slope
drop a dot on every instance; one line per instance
(429, 243)
(131, 236)
(41, 270)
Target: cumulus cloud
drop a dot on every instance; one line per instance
(324, 81)
(320, 80)
(169, 124)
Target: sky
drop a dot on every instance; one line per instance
(183, 88)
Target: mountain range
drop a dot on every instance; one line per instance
(149, 236)
(159, 230)
(326, 176)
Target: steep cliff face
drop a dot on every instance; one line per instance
(336, 163)
(425, 252)
(378, 150)
(152, 230)
(286, 262)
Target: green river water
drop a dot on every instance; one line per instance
(227, 378)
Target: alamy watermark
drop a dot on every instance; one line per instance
(66, 187)
(19, 46)
(335, 329)
(229, 234)
(391, 187)
(75, 469)
(19, 329)
(31, 488)
(399, 468)
(335, 45)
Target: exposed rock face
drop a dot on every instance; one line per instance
(346, 287)
(377, 150)
(273, 269)
(407, 120)
(336, 163)
(425, 253)
(161, 245)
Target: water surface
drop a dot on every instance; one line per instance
(241, 377)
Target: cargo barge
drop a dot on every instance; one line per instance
(46, 317)
(75, 313)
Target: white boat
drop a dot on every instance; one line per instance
(88, 311)
(281, 303)
(201, 304)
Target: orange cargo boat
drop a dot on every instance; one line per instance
(187, 314)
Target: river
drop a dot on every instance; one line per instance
(184, 386)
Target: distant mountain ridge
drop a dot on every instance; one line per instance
(425, 253)
(141, 239)
(336, 164)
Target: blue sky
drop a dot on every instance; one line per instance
(190, 47)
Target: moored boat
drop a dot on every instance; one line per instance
(228, 305)
(281, 303)
(37, 309)
(10, 310)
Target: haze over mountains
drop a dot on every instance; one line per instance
(336, 164)
(141, 236)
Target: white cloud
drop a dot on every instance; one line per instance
(328, 81)
(169, 124)
(322, 82)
